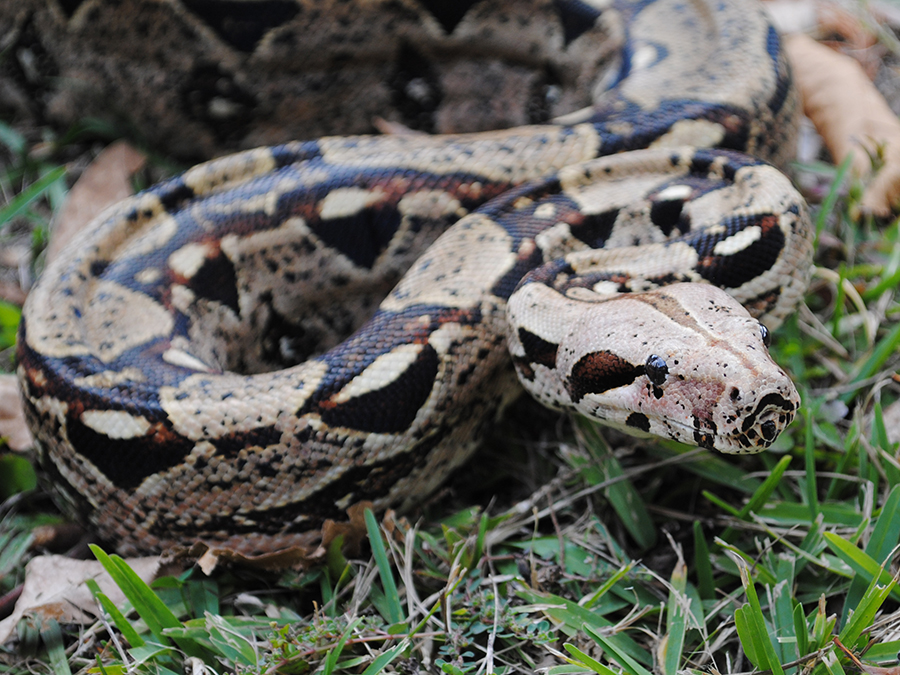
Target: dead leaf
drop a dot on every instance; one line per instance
(55, 589)
(13, 427)
(850, 115)
(844, 32)
(300, 556)
(106, 181)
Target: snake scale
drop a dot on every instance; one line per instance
(194, 370)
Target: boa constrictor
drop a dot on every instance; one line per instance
(187, 370)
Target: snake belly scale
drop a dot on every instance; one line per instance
(188, 367)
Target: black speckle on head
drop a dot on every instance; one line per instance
(705, 438)
(598, 372)
(769, 430)
(523, 367)
(735, 394)
(638, 421)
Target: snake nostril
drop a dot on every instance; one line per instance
(768, 430)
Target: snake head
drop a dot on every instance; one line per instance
(685, 362)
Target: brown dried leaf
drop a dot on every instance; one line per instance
(13, 427)
(54, 589)
(353, 532)
(106, 181)
(845, 32)
(850, 115)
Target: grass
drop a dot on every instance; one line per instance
(576, 551)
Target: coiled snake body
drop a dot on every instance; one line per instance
(157, 356)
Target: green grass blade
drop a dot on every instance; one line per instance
(574, 617)
(761, 495)
(866, 610)
(146, 603)
(395, 609)
(631, 666)
(885, 536)
(756, 625)
(583, 659)
(335, 652)
(703, 564)
(118, 618)
(676, 620)
(783, 609)
(884, 349)
(384, 659)
(34, 191)
(801, 632)
(624, 498)
(53, 640)
(834, 192)
(860, 561)
(748, 637)
(608, 584)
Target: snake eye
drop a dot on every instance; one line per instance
(656, 369)
(766, 337)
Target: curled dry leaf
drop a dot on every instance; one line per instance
(845, 32)
(54, 589)
(106, 181)
(353, 532)
(850, 115)
(12, 417)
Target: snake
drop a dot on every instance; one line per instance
(238, 355)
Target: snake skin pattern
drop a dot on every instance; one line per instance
(189, 369)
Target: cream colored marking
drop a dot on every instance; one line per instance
(218, 174)
(116, 424)
(207, 406)
(176, 357)
(508, 155)
(182, 297)
(188, 260)
(674, 192)
(346, 202)
(153, 238)
(643, 57)
(148, 275)
(430, 202)
(110, 378)
(701, 133)
(445, 337)
(739, 241)
(266, 203)
(117, 319)
(457, 268)
(384, 369)
(604, 288)
(523, 203)
(292, 229)
(545, 211)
